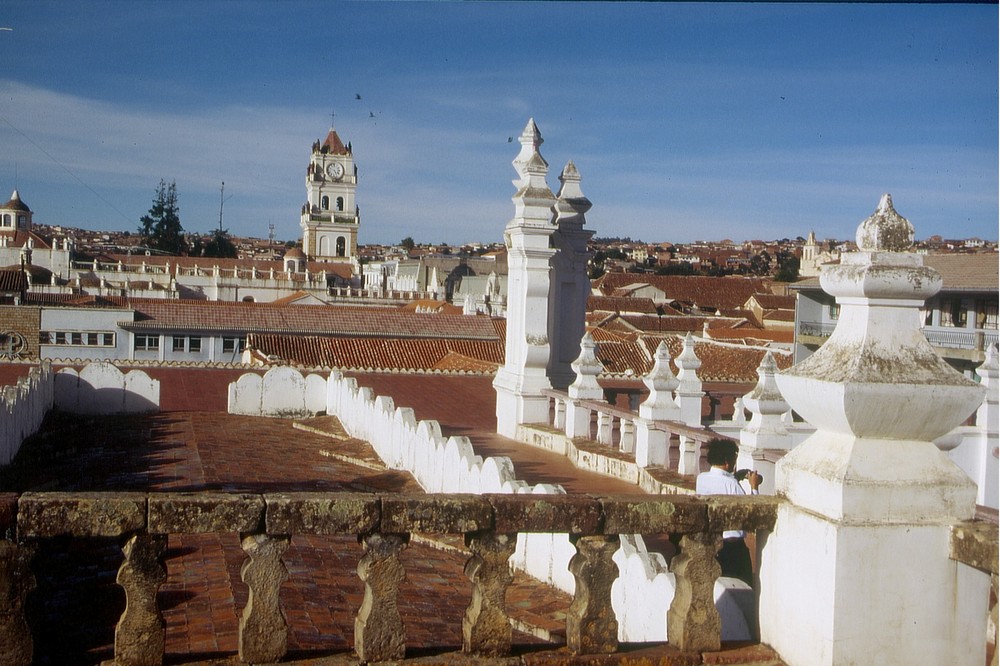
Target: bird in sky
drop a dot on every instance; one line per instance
(357, 95)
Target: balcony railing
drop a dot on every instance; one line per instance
(952, 338)
(268, 523)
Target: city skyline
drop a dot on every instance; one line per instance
(686, 121)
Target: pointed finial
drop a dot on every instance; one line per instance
(885, 230)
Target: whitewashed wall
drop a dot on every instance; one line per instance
(281, 392)
(22, 409)
(101, 388)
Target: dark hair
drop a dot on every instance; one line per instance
(721, 451)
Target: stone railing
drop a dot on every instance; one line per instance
(616, 429)
(383, 524)
(23, 406)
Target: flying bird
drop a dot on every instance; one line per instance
(357, 95)
(510, 139)
(371, 115)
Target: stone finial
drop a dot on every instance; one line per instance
(688, 361)
(885, 230)
(530, 140)
(765, 401)
(587, 366)
(661, 382)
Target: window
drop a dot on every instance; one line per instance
(340, 246)
(6, 220)
(178, 345)
(325, 203)
(340, 203)
(952, 313)
(22, 221)
(77, 338)
(233, 345)
(147, 342)
(194, 343)
(60, 338)
(986, 314)
(108, 339)
(91, 339)
(835, 311)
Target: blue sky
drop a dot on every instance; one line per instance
(686, 121)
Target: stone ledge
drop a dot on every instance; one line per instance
(575, 514)
(322, 513)
(436, 513)
(80, 514)
(653, 514)
(191, 513)
(975, 543)
(732, 512)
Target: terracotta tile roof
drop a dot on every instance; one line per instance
(775, 301)
(333, 145)
(379, 353)
(188, 315)
(13, 280)
(966, 272)
(752, 336)
(616, 304)
(673, 324)
(780, 315)
(960, 272)
(706, 292)
(426, 304)
(20, 238)
(720, 362)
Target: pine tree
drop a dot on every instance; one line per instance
(161, 227)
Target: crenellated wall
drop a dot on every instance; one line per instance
(23, 407)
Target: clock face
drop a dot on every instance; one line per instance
(335, 170)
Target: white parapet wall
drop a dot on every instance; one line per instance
(22, 409)
(281, 392)
(101, 388)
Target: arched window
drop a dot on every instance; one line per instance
(340, 247)
(248, 299)
(340, 203)
(325, 203)
(324, 246)
(22, 221)
(6, 220)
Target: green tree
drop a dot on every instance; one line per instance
(219, 245)
(161, 227)
(788, 268)
(408, 244)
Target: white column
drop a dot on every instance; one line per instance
(521, 380)
(857, 568)
(651, 445)
(766, 430)
(586, 366)
(689, 393)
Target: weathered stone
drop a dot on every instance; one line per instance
(486, 627)
(441, 514)
(653, 514)
(16, 581)
(177, 513)
(322, 513)
(8, 513)
(263, 634)
(734, 512)
(591, 626)
(80, 514)
(975, 544)
(378, 629)
(574, 514)
(140, 634)
(693, 623)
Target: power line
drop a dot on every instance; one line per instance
(66, 169)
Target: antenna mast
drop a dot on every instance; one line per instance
(222, 201)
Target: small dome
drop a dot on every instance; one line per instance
(15, 203)
(295, 253)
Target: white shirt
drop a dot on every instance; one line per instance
(718, 481)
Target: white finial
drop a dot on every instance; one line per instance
(885, 230)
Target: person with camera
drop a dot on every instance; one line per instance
(724, 479)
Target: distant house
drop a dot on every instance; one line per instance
(960, 321)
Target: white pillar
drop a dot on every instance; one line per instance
(521, 380)
(689, 393)
(857, 568)
(651, 444)
(766, 430)
(586, 366)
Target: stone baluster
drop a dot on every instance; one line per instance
(626, 438)
(739, 413)
(591, 626)
(688, 455)
(16, 581)
(693, 623)
(605, 428)
(263, 632)
(140, 634)
(559, 414)
(651, 444)
(587, 366)
(486, 627)
(378, 629)
(766, 430)
(688, 394)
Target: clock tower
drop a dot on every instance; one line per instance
(330, 217)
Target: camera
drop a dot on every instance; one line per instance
(741, 474)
